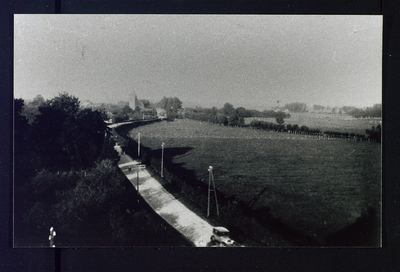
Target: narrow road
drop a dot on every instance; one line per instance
(165, 204)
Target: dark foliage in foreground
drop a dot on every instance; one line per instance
(66, 177)
(95, 208)
(375, 133)
(65, 136)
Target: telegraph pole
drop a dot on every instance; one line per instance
(211, 179)
(137, 183)
(162, 159)
(138, 148)
(139, 166)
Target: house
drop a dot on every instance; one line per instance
(161, 113)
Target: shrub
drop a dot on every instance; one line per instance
(304, 129)
(374, 134)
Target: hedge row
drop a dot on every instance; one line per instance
(283, 128)
(374, 134)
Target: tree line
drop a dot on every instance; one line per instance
(228, 115)
(375, 112)
(369, 112)
(373, 134)
(263, 125)
(62, 135)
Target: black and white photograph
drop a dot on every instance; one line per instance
(197, 131)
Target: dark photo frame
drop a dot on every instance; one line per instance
(168, 258)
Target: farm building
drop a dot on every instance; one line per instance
(161, 113)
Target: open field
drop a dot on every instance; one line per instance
(315, 187)
(326, 122)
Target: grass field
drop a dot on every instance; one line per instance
(326, 122)
(315, 187)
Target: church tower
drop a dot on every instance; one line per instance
(135, 102)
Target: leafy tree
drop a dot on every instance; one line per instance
(46, 136)
(347, 109)
(374, 134)
(163, 103)
(66, 103)
(87, 204)
(172, 105)
(318, 108)
(31, 110)
(101, 185)
(73, 202)
(21, 126)
(296, 107)
(65, 136)
(279, 117)
(92, 132)
(243, 112)
(23, 159)
(38, 100)
(136, 115)
(228, 109)
(146, 103)
(235, 119)
(126, 110)
(222, 119)
(214, 111)
(304, 129)
(255, 113)
(268, 114)
(119, 117)
(375, 111)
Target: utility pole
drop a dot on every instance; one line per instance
(162, 159)
(211, 179)
(139, 166)
(138, 148)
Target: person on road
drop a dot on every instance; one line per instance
(129, 169)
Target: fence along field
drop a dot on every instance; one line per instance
(316, 187)
(327, 122)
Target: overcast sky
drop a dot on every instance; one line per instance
(250, 61)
